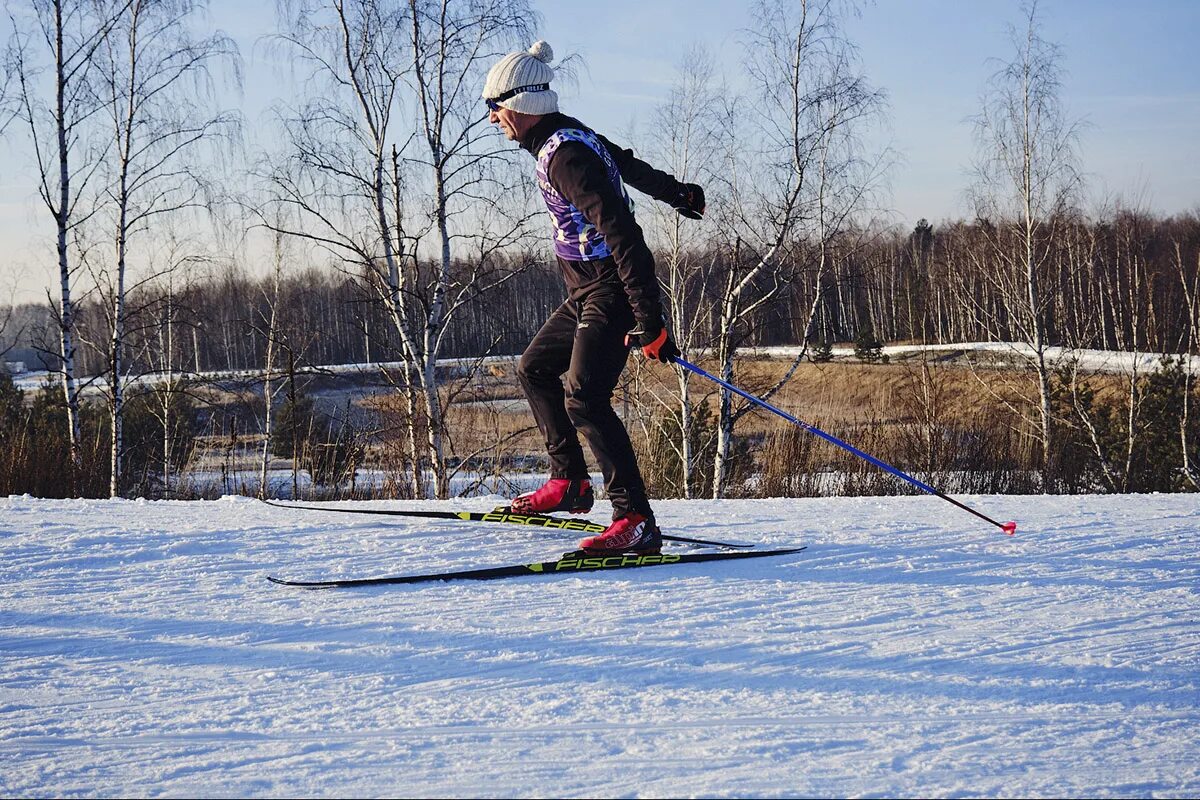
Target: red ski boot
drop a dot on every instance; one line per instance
(558, 494)
(632, 533)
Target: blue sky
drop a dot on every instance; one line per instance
(1132, 73)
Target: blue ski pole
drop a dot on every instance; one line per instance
(1008, 527)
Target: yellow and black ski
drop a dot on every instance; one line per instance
(503, 515)
(577, 563)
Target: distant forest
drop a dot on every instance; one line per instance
(1127, 282)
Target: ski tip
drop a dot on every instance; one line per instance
(302, 584)
(1009, 527)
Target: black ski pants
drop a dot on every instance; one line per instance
(569, 372)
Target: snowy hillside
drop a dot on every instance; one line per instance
(1019, 353)
(1117, 361)
(908, 651)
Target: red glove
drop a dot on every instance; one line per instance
(655, 343)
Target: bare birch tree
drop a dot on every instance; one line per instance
(685, 142)
(453, 45)
(339, 181)
(794, 175)
(352, 150)
(56, 110)
(1026, 178)
(269, 319)
(152, 80)
(171, 381)
(171, 313)
(1191, 292)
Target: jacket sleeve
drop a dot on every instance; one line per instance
(580, 176)
(646, 179)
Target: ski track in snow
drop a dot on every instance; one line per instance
(907, 652)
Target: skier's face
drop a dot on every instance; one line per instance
(503, 117)
(511, 123)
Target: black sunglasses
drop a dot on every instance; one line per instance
(494, 102)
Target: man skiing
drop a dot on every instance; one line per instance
(613, 299)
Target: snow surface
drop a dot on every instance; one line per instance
(1109, 361)
(908, 651)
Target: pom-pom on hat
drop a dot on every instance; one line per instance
(523, 81)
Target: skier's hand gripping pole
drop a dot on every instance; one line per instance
(1008, 527)
(654, 342)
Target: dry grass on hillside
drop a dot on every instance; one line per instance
(835, 395)
(967, 429)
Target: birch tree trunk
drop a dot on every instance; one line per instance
(167, 392)
(272, 337)
(1191, 293)
(116, 370)
(724, 353)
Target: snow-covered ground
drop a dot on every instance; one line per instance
(36, 379)
(907, 652)
(1088, 361)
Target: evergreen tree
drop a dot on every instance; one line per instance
(822, 351)
(868, 348)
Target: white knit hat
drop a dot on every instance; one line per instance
(529, 72)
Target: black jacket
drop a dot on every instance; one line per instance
(579, 174)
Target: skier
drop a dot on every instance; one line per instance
(613, 298)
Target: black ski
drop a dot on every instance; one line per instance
(508, 517)
(570, 564)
